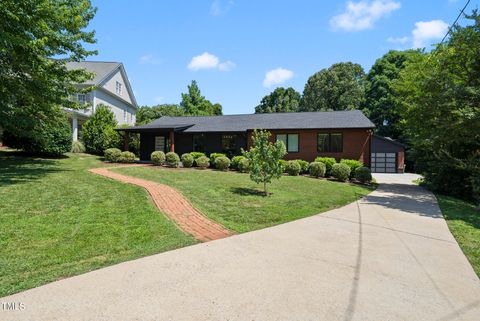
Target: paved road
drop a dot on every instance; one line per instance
(388, 257)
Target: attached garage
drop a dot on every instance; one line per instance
(387, 155)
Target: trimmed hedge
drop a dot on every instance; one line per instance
(328, 161)
(363, 174)
(243, 165)
(293, 168)
(127, 157)
(235, 161)
(317, 169)
(341, 171)
(172, 159)
(222, 163)
(196, 155)
(187, 160)
(353, 164)
(202, 162)
(214, 156)
(157, 157)
(283, 163)
(112, 154)
(303, 166)
(78, 147)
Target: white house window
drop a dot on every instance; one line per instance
(82, 98)
(118, 88)
(124, 116)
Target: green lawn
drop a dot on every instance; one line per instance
(231, 199)
(464, 223)
(58, 220)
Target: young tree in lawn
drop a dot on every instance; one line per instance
(264, 159)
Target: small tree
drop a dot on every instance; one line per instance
(99, 131)
(264, 159)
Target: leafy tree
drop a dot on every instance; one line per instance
(441, 97)
(193, 103)
(32, 84)
(339, 87)
(99, 133)
(146, 114)
(264, 158)
(279, 101)
(381, 105)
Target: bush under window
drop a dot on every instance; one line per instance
(202, 162)
(293, 168)
(172, 159)
(157, 157)
(341, 171)
(243, 165)
(328, 161)
(363, 174)
(187, 160)
(353, 164)
(222, 163)
(317, 169)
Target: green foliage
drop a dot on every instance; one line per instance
(99, 131)
(339, 87)
(157, 157)
(172, 159)
(341, 171)
(112, 154)
(33, 86)
(235, 161)
(126, 157)
(222, 163)
(197, 154)
(133, 140)
(243, 165)
(78, 147)
(293, 168)
(328, 161)
(264, 158)
(303, 165)
(146, 114)
(213, 156)
(281, 100)
(317, 169)
(363, 174)
(187, 160)
(353, 164)
(202, 162)
(194, 104)
(440, 97)
(283, 164)
(53, 137)
(381, 104)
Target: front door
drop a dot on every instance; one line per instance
(160, 143)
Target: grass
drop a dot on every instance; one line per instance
(231, 199)
(464, 223)
(59, 220)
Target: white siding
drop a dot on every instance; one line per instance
(110, 85)
(117, 106)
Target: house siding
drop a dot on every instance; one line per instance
(110, 85)
(117, 106)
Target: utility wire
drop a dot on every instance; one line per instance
(455, 22)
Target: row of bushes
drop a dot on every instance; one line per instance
(115, 155)
(197, 159)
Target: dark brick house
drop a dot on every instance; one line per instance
(307, 135)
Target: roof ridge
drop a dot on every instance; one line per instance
(279, 113)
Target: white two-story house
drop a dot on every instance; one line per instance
(111, 88)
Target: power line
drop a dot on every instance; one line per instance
(455, 22)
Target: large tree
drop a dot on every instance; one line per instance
(279, 101)
(146, 114)
(33, 86)
(193, 103)
(339, 87)
(380, 104)
(441, 99)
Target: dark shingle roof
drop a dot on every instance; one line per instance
(241, 123)
(101, 69)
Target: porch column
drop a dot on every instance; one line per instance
(126, 140)
(172, 142)
(74, 127)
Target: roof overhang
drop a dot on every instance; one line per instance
(154, 128)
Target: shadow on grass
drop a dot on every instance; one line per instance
(17, 167)
(456, 209)
(247, 191)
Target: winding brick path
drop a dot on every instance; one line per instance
(172, 203)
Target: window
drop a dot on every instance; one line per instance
(82, 98)
(290, 141)
(118, 88)
(199, 142)
(228, 143)
(124, 116)
(330, 142)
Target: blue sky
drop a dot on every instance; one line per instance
(240, 50)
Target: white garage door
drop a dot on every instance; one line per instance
(384, 162)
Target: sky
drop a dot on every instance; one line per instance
(238, 51)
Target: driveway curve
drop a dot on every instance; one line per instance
(389, 256)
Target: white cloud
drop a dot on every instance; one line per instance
(426, 31)
(399, 40)
(220, 7)
(149, 59)
(209, 61)
(277, 76)
(363, 14)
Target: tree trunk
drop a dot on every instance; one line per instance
(265, 188)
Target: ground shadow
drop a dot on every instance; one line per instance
(246, 191)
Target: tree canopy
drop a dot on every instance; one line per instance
(146, 114)
(279, 101)
(194, 104)
(99, 133)
(340, 87)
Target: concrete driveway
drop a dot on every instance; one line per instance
(389, 256)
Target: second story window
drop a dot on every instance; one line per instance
(118, 88)
(82, 98)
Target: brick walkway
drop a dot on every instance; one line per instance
(177, 207)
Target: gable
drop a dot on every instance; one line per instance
(110, 85)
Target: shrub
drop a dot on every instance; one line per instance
(317, 169)
(202, 162)
(341, 171)
(78, 147)
(363, 174)
(126, 157)
(293, 168)
(172, 159)
(196, 155)
(158, 157)
(328, 161)
(222, 163)
(235, 161)
(112, 154)
(187, 160)
(99, 133)
(283, 164)
(303, 165)
(353, 164)
(214, 156)
(243, 165)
